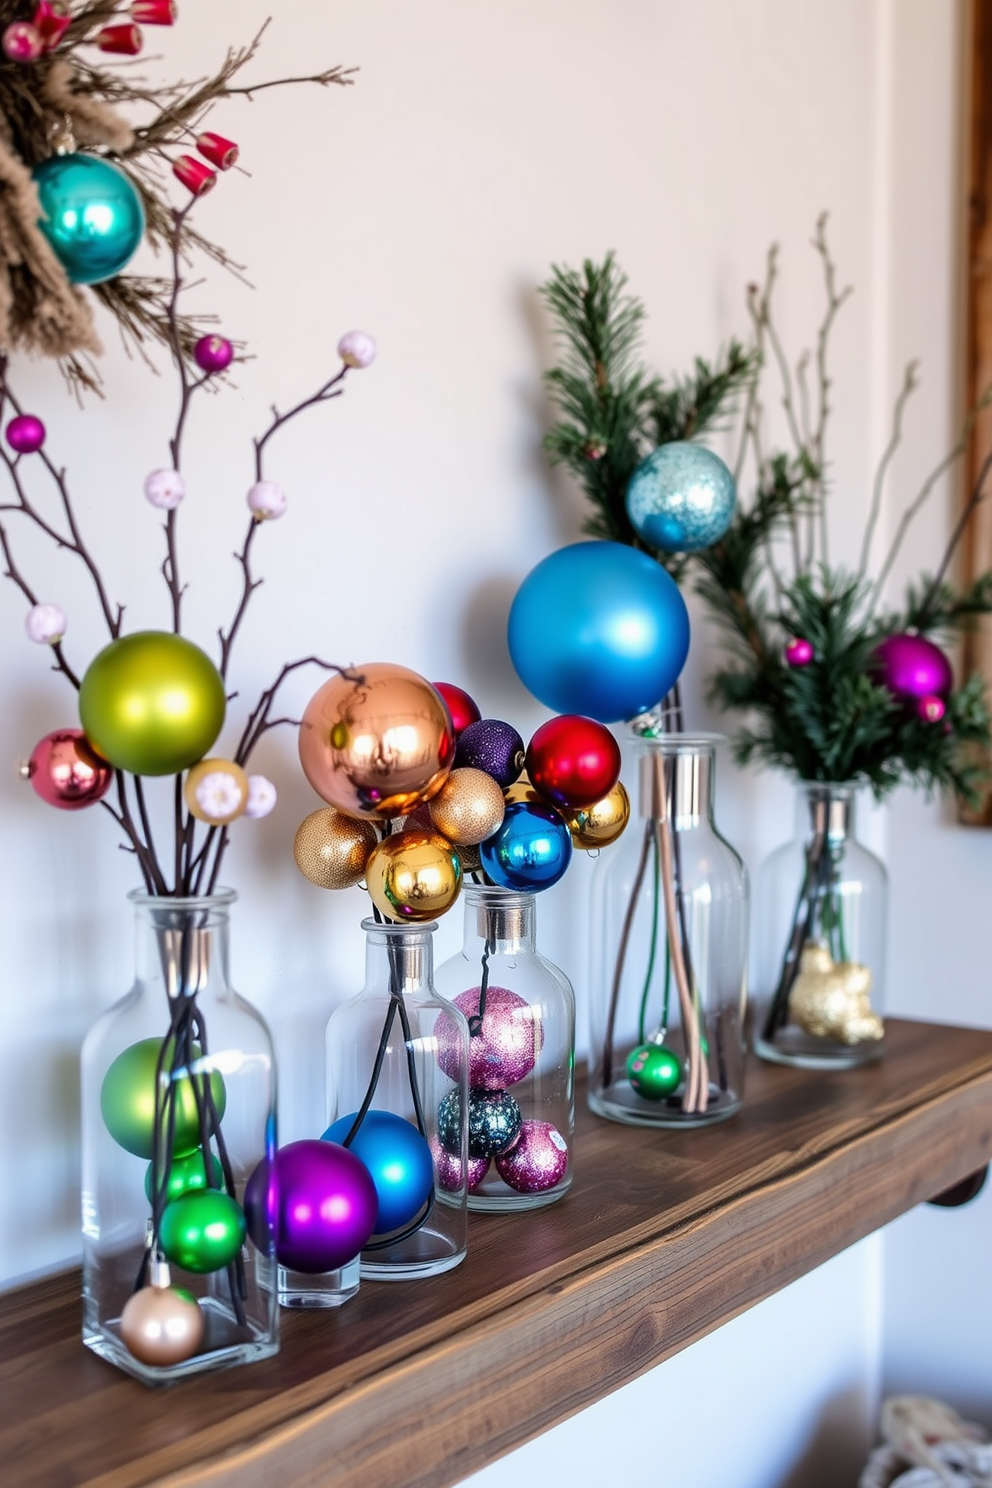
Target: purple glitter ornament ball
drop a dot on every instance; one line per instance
(506, 1048)
(25, 434)
(449, 1169)
(910, 667)
(493, 746)
(799, 652)
(323, 1203)
(537, 1160)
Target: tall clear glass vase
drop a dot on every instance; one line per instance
(820, 915)
(669, 951)
(178, 1111)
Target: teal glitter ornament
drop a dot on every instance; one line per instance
(681, 498)
(91, 215)
(202, 1230)
(654, 1070)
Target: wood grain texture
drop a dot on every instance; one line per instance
(663, 1238)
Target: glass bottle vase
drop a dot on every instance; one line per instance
(820, 910)
(397, 1088)
(669, 953)
(178, 1111)
(521, 1020)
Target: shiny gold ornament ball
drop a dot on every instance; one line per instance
(468, 808)
(829, 999)
(161, 1325)
(332, 849)
(522, 790)
(414, 876)
(216, 791)
(603, 822)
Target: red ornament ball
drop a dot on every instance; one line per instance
(573, 761)
(66, 772)
(462, 708)
(213, 353)
(931, 708)
(799, 652)
(537, 1161)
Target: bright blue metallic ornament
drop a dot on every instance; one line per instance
(399, 1160)
(598, 628)
(91, 215)
(681, 498)
(531, 850)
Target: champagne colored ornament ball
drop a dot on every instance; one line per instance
(681, 498)
(65, 772)
(532, 849)
(202, 1230)
(462, 708)
(185, 1173)
(152, 703)
(162, 1325)
(332, 849)
(505, 1048)
(573, 761)
(127, 1100)
(448, 1166)
(468, 808)
(413, 876)
(538, 1159)
(911, 667)
(216, 791)
(494, 747)
(25, 434)
(601, 823)
(654, 1070)
(494, 1121)
(323, 1202)
(376, 747)
(399, 1160)
(91, 215)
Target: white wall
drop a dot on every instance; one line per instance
(424, 204)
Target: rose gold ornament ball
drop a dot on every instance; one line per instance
(377, 747)
(468, 808)
(332, 849)
(161, 1325)
(66, 772)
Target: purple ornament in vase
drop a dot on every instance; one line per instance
(911, 667)
(503, 1048)
(324, 1202)
(25, 434)
(493, 746)
(799, 652)
(537, 1160)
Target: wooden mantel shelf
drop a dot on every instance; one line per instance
(415, 1385)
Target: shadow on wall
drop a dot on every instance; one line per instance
(838, 1448)
(486, 656)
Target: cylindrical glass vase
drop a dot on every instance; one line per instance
(820, 910)
(178, 1111)
(669, 953)
(397, 1087)
(521, 1020)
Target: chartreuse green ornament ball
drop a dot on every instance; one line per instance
(127, 1101)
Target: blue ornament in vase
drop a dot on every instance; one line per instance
(91, 215)
(681, 498)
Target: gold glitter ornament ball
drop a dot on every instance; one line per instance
(332, 849)
(161, 1325)
(603, 822)
(830, 999)
(414, 876)
(468, 808)
(377, 747)
(216, 791)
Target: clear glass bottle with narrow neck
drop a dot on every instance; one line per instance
(521, 1019)
(178, 1111)
(669, 951)
(397, 1085)
(820, 921)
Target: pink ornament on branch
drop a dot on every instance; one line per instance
(165, 489)
(799, 652)
(26, 434)
(266, 501)
(213, 353)
(357, 349)
(65, 771)
(195, 176)
(124, 40)
(931, 709)
(153, 12)
(22, 42)
(221, 152)
(51, 21)
(45, 624)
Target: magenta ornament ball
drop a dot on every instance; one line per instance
(22, 42)
(505, 1048)
(25, 434)
(213, 353)
(323, 1202)
(537, 1160)
(931, 708)
(448, 1166)
(910, 666)
(799, 652)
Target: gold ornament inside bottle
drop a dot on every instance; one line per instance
(830, 999)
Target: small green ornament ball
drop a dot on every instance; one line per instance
(654, 1070)
(186, 1173)
(91, 215)
(202, 1230)
(152, 703)
(127, 1101)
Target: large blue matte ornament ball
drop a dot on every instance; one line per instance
(681, 498)
(531, 850)
(399, 1160)
(91, 215)
(598, 628)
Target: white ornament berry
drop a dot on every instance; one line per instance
(165, 489)
(357, 349)
(261, 797)
(266, 500)
(45, 624)
(218, 795)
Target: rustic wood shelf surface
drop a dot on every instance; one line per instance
(415, 1385)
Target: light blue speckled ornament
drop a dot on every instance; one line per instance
(91, 215)
(681, 498)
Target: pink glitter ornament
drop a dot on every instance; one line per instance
(65, 772)
(45, 624)
(213, 353)
(266, 500)
(448, 1167)
(22, 42)
(536, 1161)
(912, 667)
(357, 349)
(165, 489)
(507, 1047)
(799, 652)
(931, 709)
(26, 434)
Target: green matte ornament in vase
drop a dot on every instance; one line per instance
(178, 1111)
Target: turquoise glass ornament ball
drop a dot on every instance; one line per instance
(654, 1070)
(399, 1160)
(91, 215)
(681, 498)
